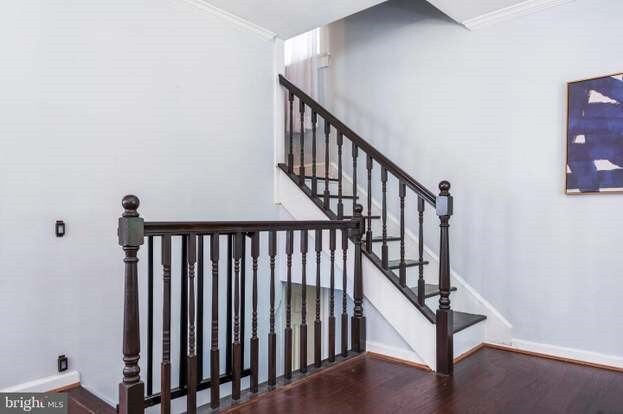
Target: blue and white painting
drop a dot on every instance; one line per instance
(595, 135)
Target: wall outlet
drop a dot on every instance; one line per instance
(63, 363)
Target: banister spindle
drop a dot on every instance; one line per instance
(183, 343)
(403, 267)
(355, 153)
(444, 313)
(200, 312)
(236, 349)
(358, 320)
(272, 336)
(255, 252)
(369, 165)
(327, 131)
(332, 296)
(150, 314)
(191, 359)
(421, 284)
(302, 166)
(314, 119)
(340, 206)
(344, 341)
(214, 351)
(165, 367)
(291, 149)
(131, 237)
(384, 250)
(303, 326)
(317, 322)
(287, 364)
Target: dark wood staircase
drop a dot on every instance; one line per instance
(333, 193)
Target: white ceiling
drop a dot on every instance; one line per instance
(288, 18)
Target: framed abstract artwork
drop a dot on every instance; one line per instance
(595, 135)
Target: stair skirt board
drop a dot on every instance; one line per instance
(498, 328)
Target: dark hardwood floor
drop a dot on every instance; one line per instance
(82, 401)
(489, 381)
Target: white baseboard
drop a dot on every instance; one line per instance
(53, 382)
(393, 352)
(569, 353)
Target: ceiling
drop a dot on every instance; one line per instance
(461, 10)
(288, 18)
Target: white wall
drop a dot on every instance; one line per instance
(486, 110)
(97, 100)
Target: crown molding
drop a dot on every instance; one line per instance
(232, 18)
(511, 12)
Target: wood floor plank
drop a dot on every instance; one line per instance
(489, 381)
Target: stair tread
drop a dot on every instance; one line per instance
(364, 216)
(379, 239)
(463, 320)
(309, 177)
(431, 290)
(395, 264)
(344, 196)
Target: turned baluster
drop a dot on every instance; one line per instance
(384, 249)
(131, 237)
(344, 297)
(369, 165)
(327, 131)
(340, 206)
(183, 372)
(303, 326)
(214, 351)
(191, 359)
(165, 367)
(421, 284)
(291, 149)
(317, 322)
(150, 314)
(332, 245)
(403, 267)
(355, 154)
(444, 312)
(255, 350)
(314, 119)
(302, 166)
(272, 336)
(287, 364)
(236, 348)
(200, 270)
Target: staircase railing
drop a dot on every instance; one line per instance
(442, 203)
(133, 231)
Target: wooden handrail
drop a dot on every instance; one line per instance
(160, 228)
(398, 172)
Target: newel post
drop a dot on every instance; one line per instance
(131, 234)
(358, 320)
(444, 313)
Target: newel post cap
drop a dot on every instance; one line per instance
(131, 230)
(444, 200)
